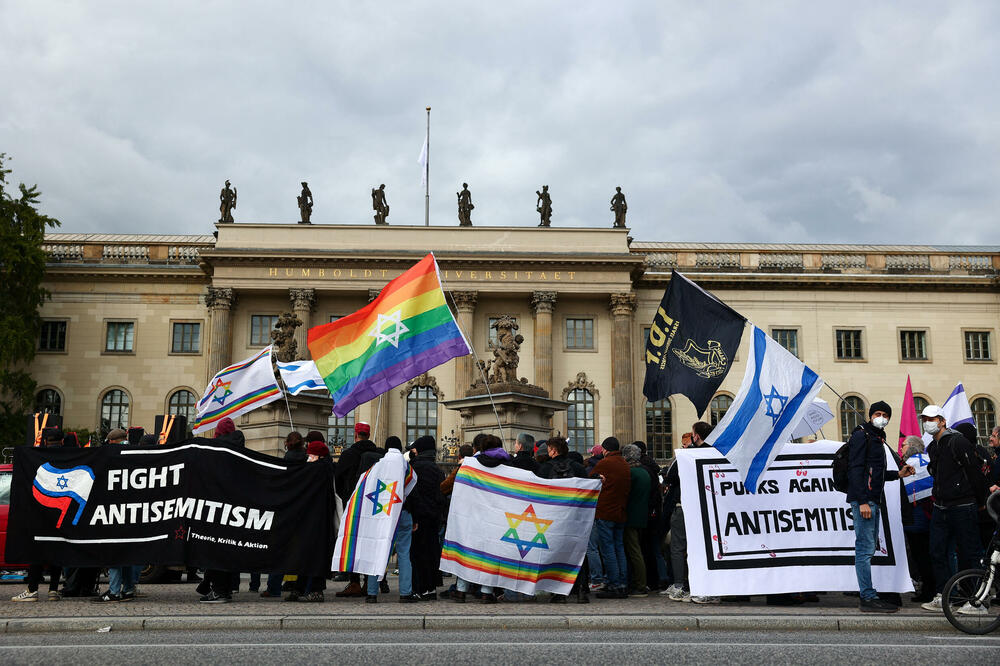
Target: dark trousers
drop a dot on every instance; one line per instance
(305, 584)
(37, 571)
(425, 557)
(221, 582)
(649, 543)
(920, 560)
(961, 524)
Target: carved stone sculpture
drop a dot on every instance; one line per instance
(544, 206)
(502, 368)
(465, 206)
(283, 336)
(379, 204)
(620, 207)
(305, 201)
(227, 199)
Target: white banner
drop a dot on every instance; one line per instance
(796, 534)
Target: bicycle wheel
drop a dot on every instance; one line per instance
(962, 606)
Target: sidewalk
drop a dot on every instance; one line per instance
(175, 606)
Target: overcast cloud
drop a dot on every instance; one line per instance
(722, 121)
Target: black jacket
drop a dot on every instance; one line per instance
(549, 469)
(348, 467)
(296, 455)
(235, 439)
(957, 477)
(526, 461)
(425, 502)
(866, 468)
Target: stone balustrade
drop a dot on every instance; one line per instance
(108, 249)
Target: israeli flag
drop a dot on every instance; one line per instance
(920, 484)
(956, 408)
(301, 376)
(777, 390)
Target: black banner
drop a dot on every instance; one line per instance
(691, 345)
(198, 503)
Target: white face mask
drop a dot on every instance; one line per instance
(880, 422)
(931, 427)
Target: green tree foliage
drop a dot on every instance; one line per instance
(22, 269)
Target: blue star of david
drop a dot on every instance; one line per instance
(62, 482)
(769, 404)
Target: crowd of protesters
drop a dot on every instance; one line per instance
(638, 543)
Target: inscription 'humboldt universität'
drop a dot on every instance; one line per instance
(386, 274)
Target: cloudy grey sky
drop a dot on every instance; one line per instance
(723, 121)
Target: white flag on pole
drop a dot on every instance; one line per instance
(301, 376)
(422, 161)
(776, 392)
(238, 389)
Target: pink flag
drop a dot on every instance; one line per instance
(909, 424)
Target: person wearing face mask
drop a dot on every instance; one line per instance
(866, 475)
(959, 491)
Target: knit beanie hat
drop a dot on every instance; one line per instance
(880, 406)
(224, 427)
(424, 443)
(317, 448)
(631, 453)
(393, 442)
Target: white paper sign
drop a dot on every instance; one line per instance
(796, 534)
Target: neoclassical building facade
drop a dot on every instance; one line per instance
(137, 324)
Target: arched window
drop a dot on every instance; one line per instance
(659, 428)
(340, 432)
(580, 424)
(48, 401)
(720, 405)
(114, 411)
(919, 402)
(985, 415)
(183, 403)
(421, 413)
(852, 414)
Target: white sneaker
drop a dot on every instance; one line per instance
(680, 595)
(670, 590)
(934, 605)
(26, 596)
(705, 600)
(969, 609)
(594, 587)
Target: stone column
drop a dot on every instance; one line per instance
(542, 303)
(622, 309)
(303, 301)
(220, 301)
(465, 366)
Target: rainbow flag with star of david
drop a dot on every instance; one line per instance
(407, 330)
(368, 526)
(508, 528)
(238, 389)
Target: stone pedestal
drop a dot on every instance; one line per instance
(267, 427)
(518, 412)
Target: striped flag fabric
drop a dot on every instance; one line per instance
(508, 528)
(777, 390)
(238, 389)
(407, 330)
(369, 523)
(300, 376)
(919, 485)
(58, 488)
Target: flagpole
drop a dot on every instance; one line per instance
(284, 394)
(427, 174)
(378, 413)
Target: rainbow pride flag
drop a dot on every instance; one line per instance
(403, 333)
(509, 528)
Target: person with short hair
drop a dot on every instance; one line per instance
(524, 449)
(959, 491)
(310, 588)
(610, 516)
(637, 516)
(680, 589)
(426, 504)
(219, 583)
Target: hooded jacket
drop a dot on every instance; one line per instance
(866, 466)
(348, 467)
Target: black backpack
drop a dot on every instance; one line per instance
(561, 469)
(840, 465)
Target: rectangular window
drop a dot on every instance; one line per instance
(260, 329)
(787, 338)
(913, 345)
(120, 336)
(849, 344)
(580, 333)
(977, 346)
(186, 338)
(53, 337)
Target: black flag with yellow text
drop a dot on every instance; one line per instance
(691, 344)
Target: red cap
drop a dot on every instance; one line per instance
(362, 428)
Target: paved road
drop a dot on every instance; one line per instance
(494, 647)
